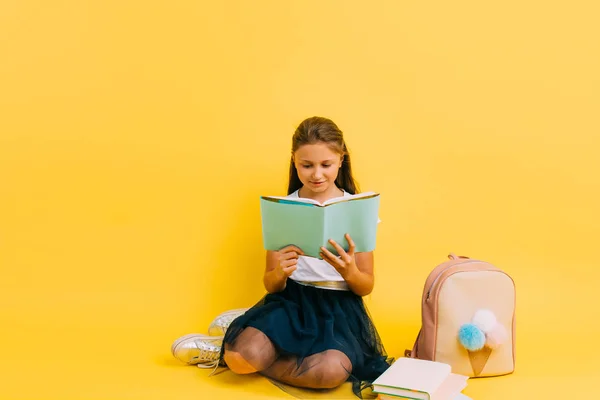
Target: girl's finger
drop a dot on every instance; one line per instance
(328, 261)
(289, 270)
(287, 263)
(339, 249)
(351, 244)
(291, 249)
(287, 256)
(331, 259)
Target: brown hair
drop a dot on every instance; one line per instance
(318, 129)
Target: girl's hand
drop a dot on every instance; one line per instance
(287, 261)
(345, 264)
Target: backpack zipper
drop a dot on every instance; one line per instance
(442, 271)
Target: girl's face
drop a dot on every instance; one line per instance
(317, 167)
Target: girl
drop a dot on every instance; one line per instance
(312, 329)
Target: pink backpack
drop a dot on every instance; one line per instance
(468, 318)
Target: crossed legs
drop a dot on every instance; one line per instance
(254, 352)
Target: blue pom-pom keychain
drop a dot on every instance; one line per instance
(471, 337)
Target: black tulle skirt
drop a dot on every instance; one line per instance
(303, 320)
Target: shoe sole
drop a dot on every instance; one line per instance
(176, 344)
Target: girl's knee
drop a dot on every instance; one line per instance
(237, 363)
(335, 368)
(252, 351)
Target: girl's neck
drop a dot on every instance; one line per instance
(333, 192)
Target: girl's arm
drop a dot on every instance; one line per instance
(361, 280)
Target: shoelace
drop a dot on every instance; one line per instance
(207, 354)
(213, 364)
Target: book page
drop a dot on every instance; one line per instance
(286, 199)
(291, 200)
(350, 198)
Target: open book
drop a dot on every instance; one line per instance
(420, 379)
(309, 225)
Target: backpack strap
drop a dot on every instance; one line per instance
(453, 256)
(413, 353)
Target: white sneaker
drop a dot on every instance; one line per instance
(219, 325)
(198, 349)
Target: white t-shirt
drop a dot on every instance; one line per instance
(312, 269)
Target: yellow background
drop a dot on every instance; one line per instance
(136, 137)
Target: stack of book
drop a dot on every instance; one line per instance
(411, 378)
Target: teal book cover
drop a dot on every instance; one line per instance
(309, 225)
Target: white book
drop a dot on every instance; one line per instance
(420, 379)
